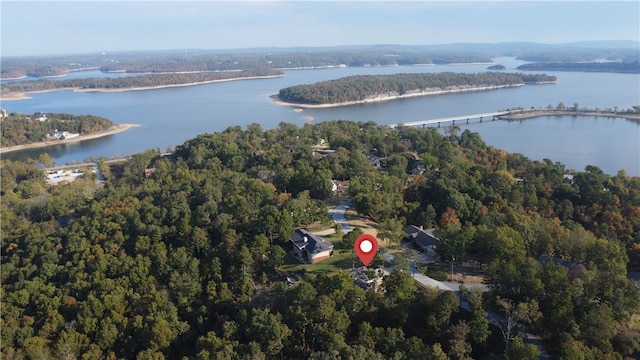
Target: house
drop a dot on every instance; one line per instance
(374, 160)
(334, 187)
(60, 135)
(407, 143)
(149, 171)
(40, 116)
(574, 269)
(310, 248)
(426, 240)
(362, 280)
(568, 179)
(415, 167)
(566, 263)
(3, 113)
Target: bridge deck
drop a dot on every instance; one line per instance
(453, 118)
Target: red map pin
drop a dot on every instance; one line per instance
(366, 247)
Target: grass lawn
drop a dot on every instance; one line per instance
(341, 260)
(634, 323)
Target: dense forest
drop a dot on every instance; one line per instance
(617, 67)
(365, 87)
(20, 129)
(188, 261)
(304, 57)
(129, 82)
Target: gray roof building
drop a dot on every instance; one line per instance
(309, 247)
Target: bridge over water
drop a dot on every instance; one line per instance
(452, 119)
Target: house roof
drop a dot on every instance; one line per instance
(566, 263)
(313, 244)
(411, 230)
(427, 237)
(422, 237)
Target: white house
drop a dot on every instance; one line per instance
(40, 116)
(60, 135)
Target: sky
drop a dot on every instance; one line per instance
(70, 27)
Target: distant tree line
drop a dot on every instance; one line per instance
(612, 66)
(132, 81)
(575, 54)
(20, 129)
(362, 87)
(276, 58)
(217, 60)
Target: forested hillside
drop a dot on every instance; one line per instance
(364, 87)
(131, 82)
(187, 262)
(21, 129)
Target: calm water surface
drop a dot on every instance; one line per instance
(170, 116)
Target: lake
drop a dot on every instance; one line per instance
(170, 116)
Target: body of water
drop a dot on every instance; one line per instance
(170, 116)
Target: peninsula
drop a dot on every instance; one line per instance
(523, 114)
(38, 130)
(18, 90)
(373, 88)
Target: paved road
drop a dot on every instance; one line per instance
(338, 216)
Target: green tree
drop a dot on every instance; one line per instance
(459, 347)
(521, 351)
(46, 161)
(268, 330)
(391, 230)
(479, 323)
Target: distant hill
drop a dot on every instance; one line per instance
(607, 44)
(195, 60)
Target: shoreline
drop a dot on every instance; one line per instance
(114, 129)
(276, 99)
(531, 114)
(24, 95)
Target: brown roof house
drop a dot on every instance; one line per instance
(310, 248)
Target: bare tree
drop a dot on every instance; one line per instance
(514, 315)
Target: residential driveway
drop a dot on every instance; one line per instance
(338, 216)
(430, 282)
(324, 232)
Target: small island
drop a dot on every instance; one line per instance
(497, 67)
(18, 89)
(372, 88)
(20, 132)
